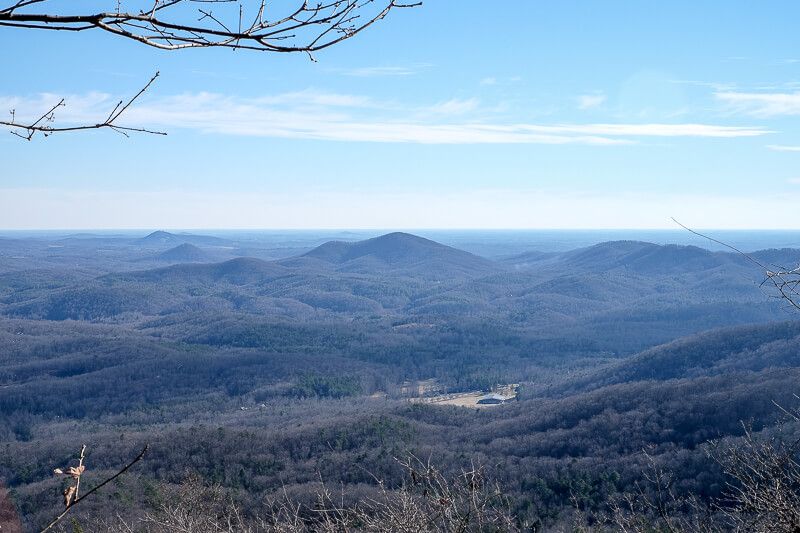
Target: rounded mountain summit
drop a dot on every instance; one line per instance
(401, 251)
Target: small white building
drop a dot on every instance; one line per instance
(494, 398)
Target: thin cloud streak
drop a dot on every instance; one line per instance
(762, 105)
(226, 115)
(783, 148)
(455, 106)
(340, 117)
(656, 130)
(588, 101)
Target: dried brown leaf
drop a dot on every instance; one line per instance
(69, 493)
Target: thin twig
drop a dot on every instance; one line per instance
(41, 125)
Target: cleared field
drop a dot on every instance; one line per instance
(467, 399)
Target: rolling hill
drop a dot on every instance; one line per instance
(402, 253)
(184, 253)
(239, 271)
(633, 256)
(266, 362)
(723, 351)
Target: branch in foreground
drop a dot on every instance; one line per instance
(177, 24)
(43, 124)
(73, 499)
(784, 279)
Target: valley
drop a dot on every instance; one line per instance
(266, 372)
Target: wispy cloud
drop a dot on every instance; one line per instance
(78, 106)
(762, 104)
(793, 181)
(341, 117)
(588, 101)
(783, 148)
(311, 97)
(656, 130)
(226, 115)
(455, 106)
(489, 81)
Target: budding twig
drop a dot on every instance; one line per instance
(74, 499)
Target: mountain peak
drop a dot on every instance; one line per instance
(399, 250)
(401, 236)
(391, 247)
(159, 237)
(159, 234)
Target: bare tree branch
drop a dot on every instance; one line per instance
(44, 124)
(178, 24)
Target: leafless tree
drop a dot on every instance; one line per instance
(654, 505)
(763, 495)
(426, 502)
(432, 502)
(297, 26)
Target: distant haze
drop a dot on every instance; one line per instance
(487, 243)
(453, 209)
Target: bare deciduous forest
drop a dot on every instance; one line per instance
(442, 380)
(259, 379)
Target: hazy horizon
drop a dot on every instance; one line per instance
(487, 242)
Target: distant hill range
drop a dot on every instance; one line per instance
(165, 238)
(634, 256)
(239, 271)
(615, 297)
(647, 257)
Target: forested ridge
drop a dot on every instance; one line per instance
(265, 373)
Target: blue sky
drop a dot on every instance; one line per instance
(454, 115)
